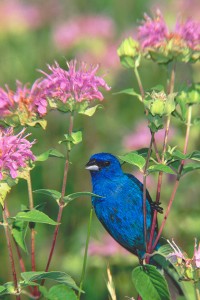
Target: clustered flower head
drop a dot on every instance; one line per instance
(181, 259)
(154, 32)
(78, 83)
(26, 103)
(189, 32)
(28, 106)
(15, 153)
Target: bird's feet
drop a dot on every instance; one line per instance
(156, 206)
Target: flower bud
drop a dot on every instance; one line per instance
(129, 53)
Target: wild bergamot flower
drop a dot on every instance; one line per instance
(15, 153)
(78, 83)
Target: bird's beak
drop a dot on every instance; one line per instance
(92, 166)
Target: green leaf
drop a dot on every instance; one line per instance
(177, 154)
(76, 137)
(90, 111)
(160, 168)
(4, 189)
(19, 229)
(42, 123)
(164, 250)
(73, 138)
(157, 88)
(155, 122)
(130, 92)
(2, 289)
(35, 216)
(43, 290)
(61, 292)
(190, 167)
(9, 288)
(150, 284)
(57, 276)
(73, 196)
(51, 193)
(134, 159)
(142, 151)
(49, 153)
(195, 155)
(170, 104)
(161, 57)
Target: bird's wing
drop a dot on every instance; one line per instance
(140, 185)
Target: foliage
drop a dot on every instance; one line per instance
(53, 104)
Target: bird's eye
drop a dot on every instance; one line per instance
(107, 163)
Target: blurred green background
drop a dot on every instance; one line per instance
(36, 33)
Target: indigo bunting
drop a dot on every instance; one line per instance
(120, 205)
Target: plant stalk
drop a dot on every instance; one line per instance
(145, 188)
(85, 254)
(10, 251)
(159, 184)
(137, 75)
(189, 117)
(61, 202)
(31, 206)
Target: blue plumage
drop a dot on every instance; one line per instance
(120, 207)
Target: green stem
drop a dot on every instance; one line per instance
(31, 206)
(172, 79)
(85, 254)
(137, 75)
(10, 251)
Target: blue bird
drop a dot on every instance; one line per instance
(120, 207)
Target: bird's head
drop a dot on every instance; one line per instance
(104, 164)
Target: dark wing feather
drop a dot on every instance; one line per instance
(140, 185)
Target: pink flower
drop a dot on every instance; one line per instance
(189, 32)
(70, 33)
(79, 83)
(196, 257)
(14, 153)
(153, 31)
(18, 16)
(177, 255)
(107, 247)
(23, 101)
(141, 137)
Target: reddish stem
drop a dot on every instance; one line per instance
(61, 202)
(21, 261)
(177, 178)
(156, 150)
(154, 221)
(54, 238)
(145, 188)
(158, 194)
